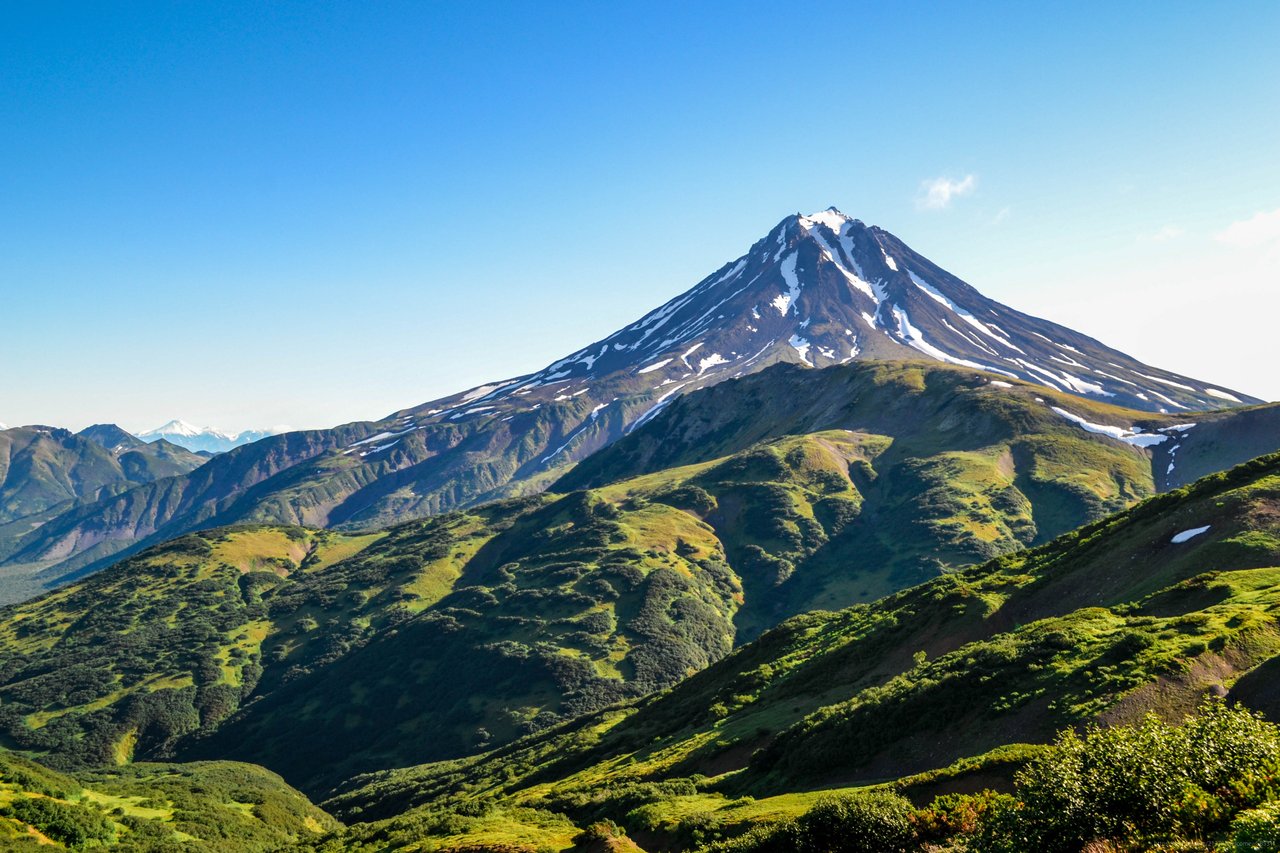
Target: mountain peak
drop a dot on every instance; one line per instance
(823, 289)
(111, 437)
(177, 426)
(183, 434)
(832, 217)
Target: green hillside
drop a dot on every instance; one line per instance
(204, 807)
(646, 651)
(905, 398)
(441, 638)
(940, 686)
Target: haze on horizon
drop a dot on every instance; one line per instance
(244, 216)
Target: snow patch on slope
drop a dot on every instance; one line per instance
(912, 337)
(801, 346)
(1186, 535)
(657, 365)
(1129, 435)
(784, 302)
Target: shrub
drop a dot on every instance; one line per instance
(864, 822)
(73, 826)
(1139, 784)
(870, 822)
(1257, 830)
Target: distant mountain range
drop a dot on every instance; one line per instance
(206, 439)
(46, 472)
(816, 291)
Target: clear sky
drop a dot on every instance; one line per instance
(252, 214)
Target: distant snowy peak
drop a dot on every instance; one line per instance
(208, 439)
(177, 427)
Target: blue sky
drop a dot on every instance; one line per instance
(257, 214)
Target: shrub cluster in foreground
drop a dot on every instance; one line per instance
(1212, 784)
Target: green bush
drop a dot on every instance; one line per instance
(1139, 784)
(864, 822)
(1257, 830)
(870, 822)
(73, 826)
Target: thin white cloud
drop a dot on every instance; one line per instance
(1262, 228)
(1164, 235)
(1001, 216)
(937, 193)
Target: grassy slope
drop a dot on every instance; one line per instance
(886, 398)
(1103, 624)
(204, 807)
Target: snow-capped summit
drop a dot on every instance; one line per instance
(183, 434)
(180, 427)
(825, 289)
(817, 290)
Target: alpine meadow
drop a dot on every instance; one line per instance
(831, 551)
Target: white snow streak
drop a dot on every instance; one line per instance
(1179, 538)
(1129, 435)
(785, 301)
(1164, 381)
(657, 365)
(960, 312)
(913, 338)
(801, 346)
(477, 393)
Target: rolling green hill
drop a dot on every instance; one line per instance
(204, 807)
(944, 687)
(893, 398)
(665, 640)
